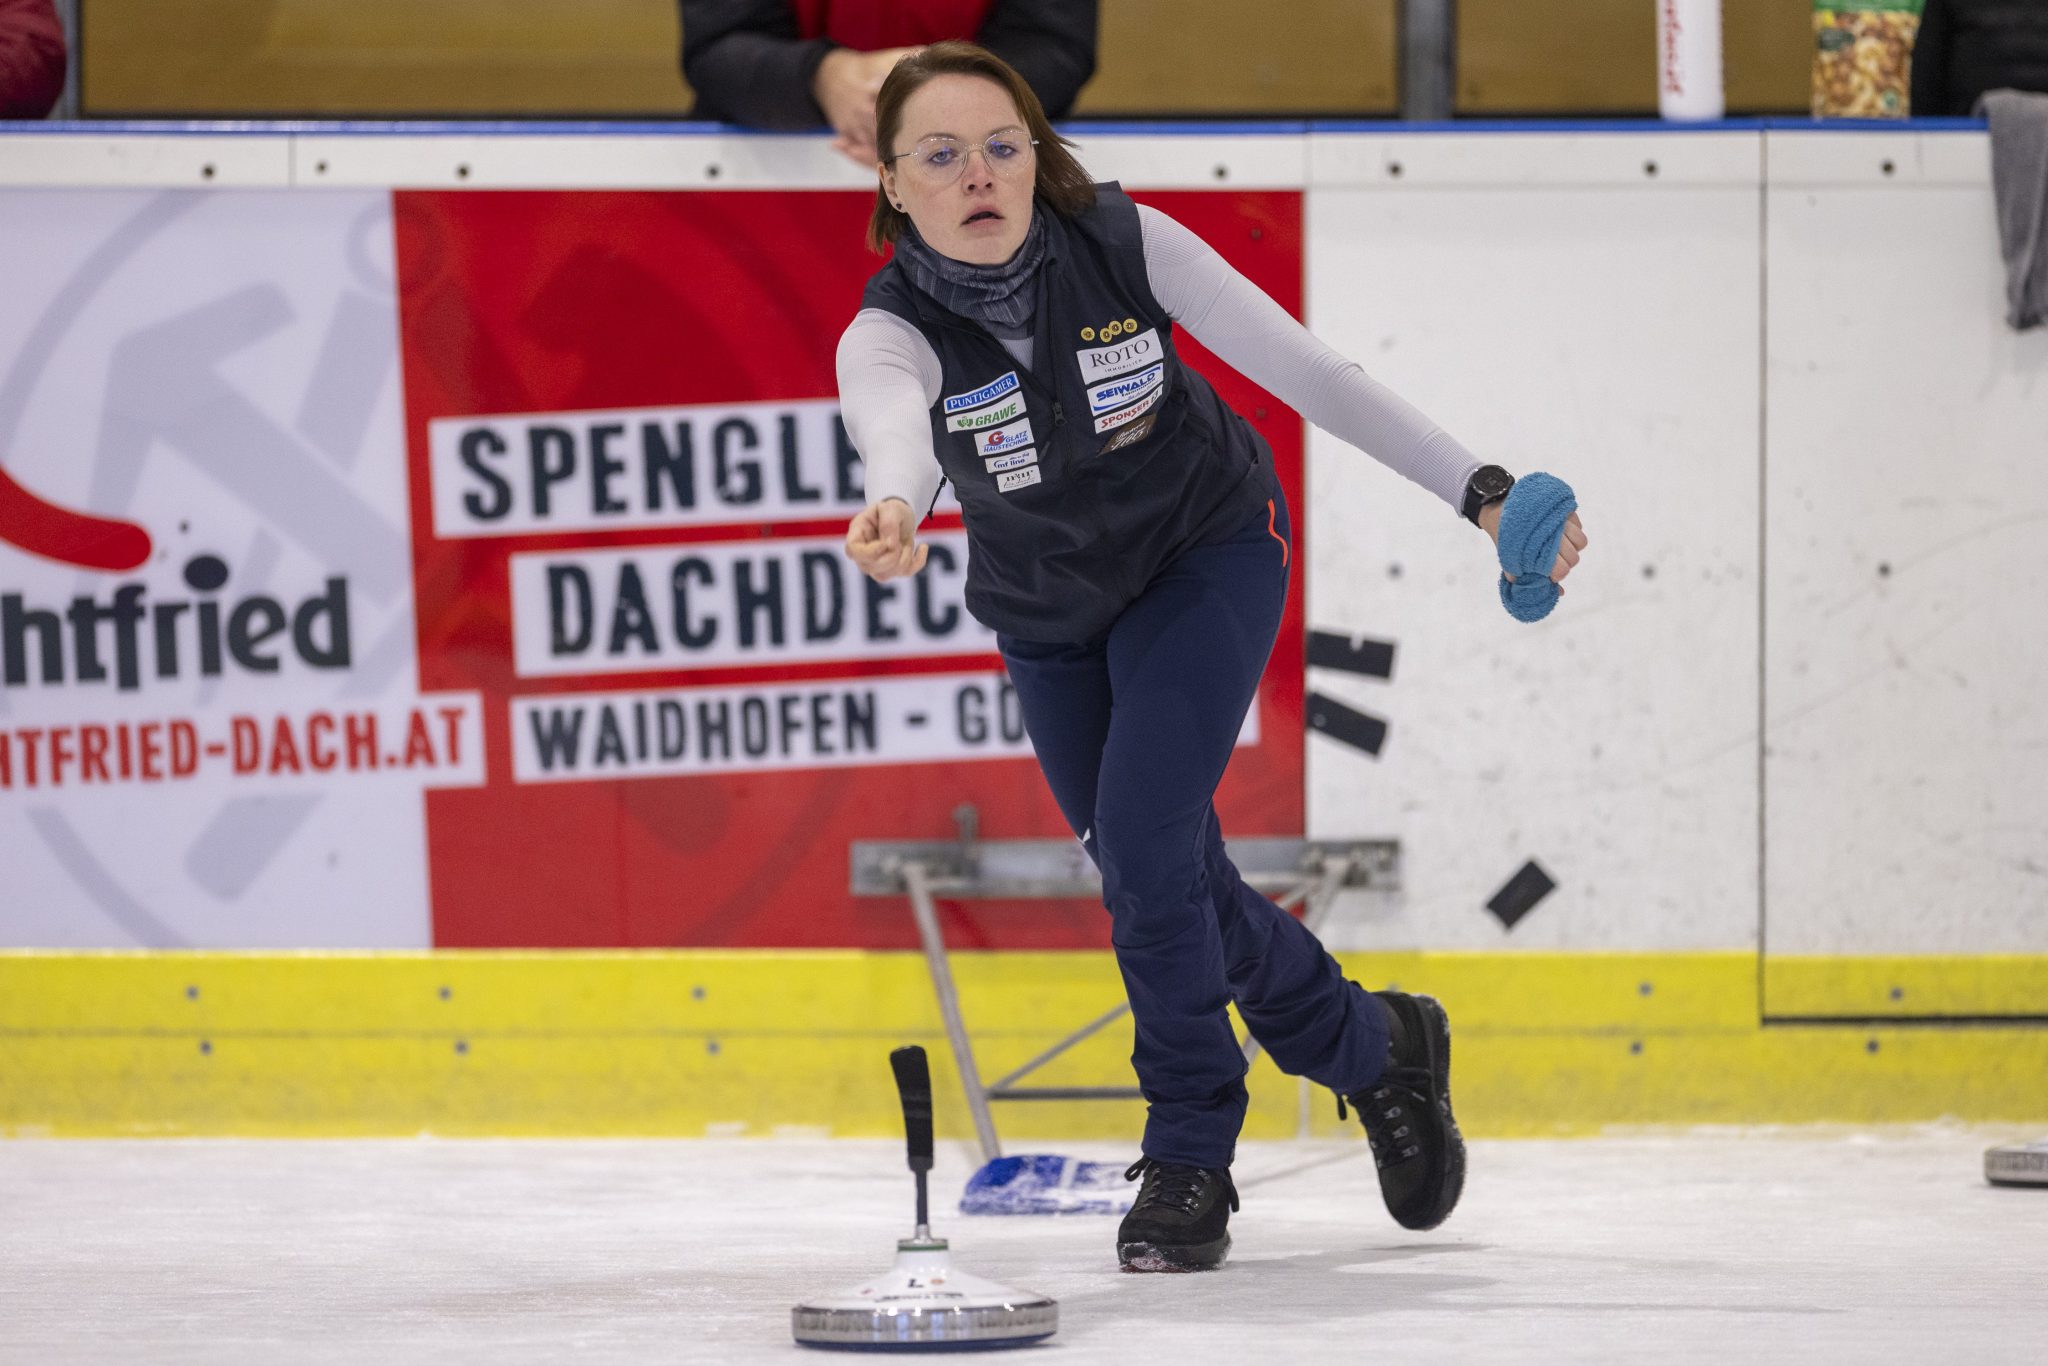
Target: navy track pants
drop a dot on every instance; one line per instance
(1133, 732)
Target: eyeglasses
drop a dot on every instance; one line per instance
(942, 160)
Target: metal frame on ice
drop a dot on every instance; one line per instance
(1293, 872)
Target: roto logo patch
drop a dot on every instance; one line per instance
(1102, 362)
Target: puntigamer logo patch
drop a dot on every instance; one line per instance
(974, 398)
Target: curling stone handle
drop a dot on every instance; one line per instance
(914, 1084)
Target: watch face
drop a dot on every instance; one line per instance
(1489, 483)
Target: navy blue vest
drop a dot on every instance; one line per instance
(1083, 476)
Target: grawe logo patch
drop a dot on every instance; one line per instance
(981, 419)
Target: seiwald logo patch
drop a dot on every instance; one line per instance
(1117, 392)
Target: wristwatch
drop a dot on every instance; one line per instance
(1489, 484)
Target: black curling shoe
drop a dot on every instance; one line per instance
(1407, 1115)
(1181, 1221)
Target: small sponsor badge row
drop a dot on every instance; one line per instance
(1001, 431)
(1126, 376)
(1125, 381)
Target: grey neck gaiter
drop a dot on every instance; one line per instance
(1000, 298)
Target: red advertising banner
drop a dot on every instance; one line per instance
(629, 487)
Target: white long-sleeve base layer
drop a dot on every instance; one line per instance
(889, 376)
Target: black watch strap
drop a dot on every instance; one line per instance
(1488, 484)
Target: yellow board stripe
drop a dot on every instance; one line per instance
(2007, 984)
(784, 991)
(760, 1042)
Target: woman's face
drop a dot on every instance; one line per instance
(969, 167)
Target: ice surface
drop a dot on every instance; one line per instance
(1733, 1248)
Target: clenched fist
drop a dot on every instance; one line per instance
(1568, 545)
(881, 539)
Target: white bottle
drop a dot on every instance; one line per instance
(1689, 60)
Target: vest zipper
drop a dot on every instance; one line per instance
(1025, 374)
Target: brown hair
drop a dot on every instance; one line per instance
(1060, 181)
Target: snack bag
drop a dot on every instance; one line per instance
(1863, 57)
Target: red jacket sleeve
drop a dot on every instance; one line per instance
(31, 58)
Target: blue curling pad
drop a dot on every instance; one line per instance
(1045, 1183)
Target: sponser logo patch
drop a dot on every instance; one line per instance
(1017, 479)
(1111, 421)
